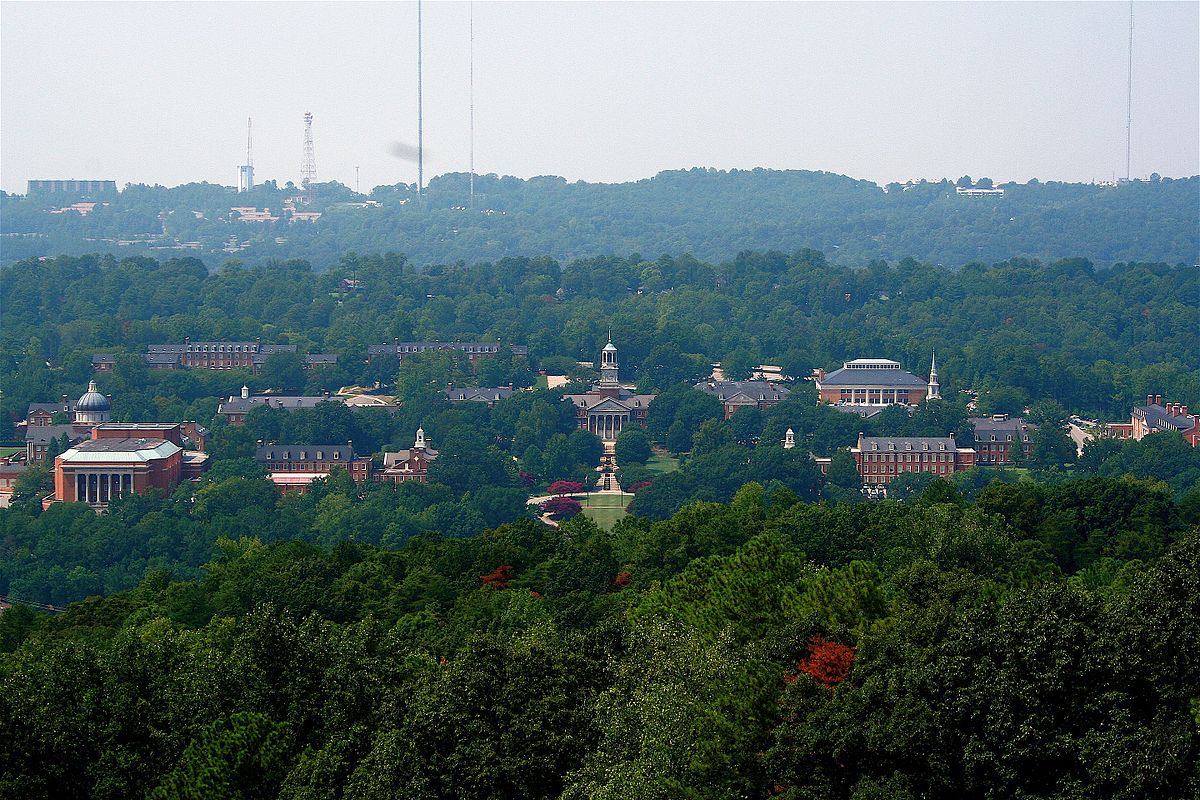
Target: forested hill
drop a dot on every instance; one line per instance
(708, 213)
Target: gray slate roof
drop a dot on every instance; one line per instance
(1158, 418)
(988, 426)
(752, 390)
(292, 452)
(866, 412)
(872, 377)
(908, 444)
(242, 405)
(479, 394)
(43, 434)
(51, 408)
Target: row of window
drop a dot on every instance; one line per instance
(873, 397)
(891, 469)
(320, 456)
(910, 457)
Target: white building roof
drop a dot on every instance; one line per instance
(119, 451)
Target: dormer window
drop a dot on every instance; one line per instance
(320, 455)
(337, 455)
(303, 455)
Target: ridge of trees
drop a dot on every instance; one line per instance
(713, 214)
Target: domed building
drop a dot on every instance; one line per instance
(92, 408)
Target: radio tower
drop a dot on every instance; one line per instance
(471, 92)
(246, 171)
(308, 169)
(1129, 98)
(420, 112)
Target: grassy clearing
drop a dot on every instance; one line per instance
(540, 382)
(5, 452)
(660, 464)
(605, 509)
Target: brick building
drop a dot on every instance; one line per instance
(609, 408)
(40, 414)
(474, 350)
(882, 458)
(1157, 416)
(293, 467)
(124, 457)
(487, 395)
(875, 382)
(743, 394)
(411, 464)
(235, 407)
(91, 409)
(99, 470)
(997, 436)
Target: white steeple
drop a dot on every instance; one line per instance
(935, 392)
(789, 439)
(420, 443)
(245, 392)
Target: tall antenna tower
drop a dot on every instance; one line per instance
(420, 112)
(246, 171)
(1129, 99)
(308, 168)
(471, 94)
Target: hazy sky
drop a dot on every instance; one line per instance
(160, 92)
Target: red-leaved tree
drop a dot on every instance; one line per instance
(498, 578)
(828, 663)
(566, 487)
(561, 507)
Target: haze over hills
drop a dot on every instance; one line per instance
(708, 213)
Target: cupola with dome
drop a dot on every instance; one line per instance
(92, 408)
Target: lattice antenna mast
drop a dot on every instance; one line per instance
(1129, 99)
(471, 94)
(420, 111)
(308, 169)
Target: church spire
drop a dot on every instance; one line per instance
(935, 391)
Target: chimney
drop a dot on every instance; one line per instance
(952, 436)
(1149, 399)
(1158, 399)
(860, 438)
(1183, 411)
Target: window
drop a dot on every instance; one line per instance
(303, 455)
(320, 455)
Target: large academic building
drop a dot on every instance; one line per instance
(875, 382)
(882, 458)
(609, 408)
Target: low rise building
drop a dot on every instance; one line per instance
(875, 382)
(487, 395)
(39, 414)
(474, 350)
(411, 464)
(1157, 417)
(997, 437)
(235, 407)
(293, 467)
(743, 394)
(609, 408)
(9, 474)
(103, 469)
(881, 458)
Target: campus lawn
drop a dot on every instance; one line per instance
(660, 464)
(605, 509)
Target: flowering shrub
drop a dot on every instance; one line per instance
(561, 507)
